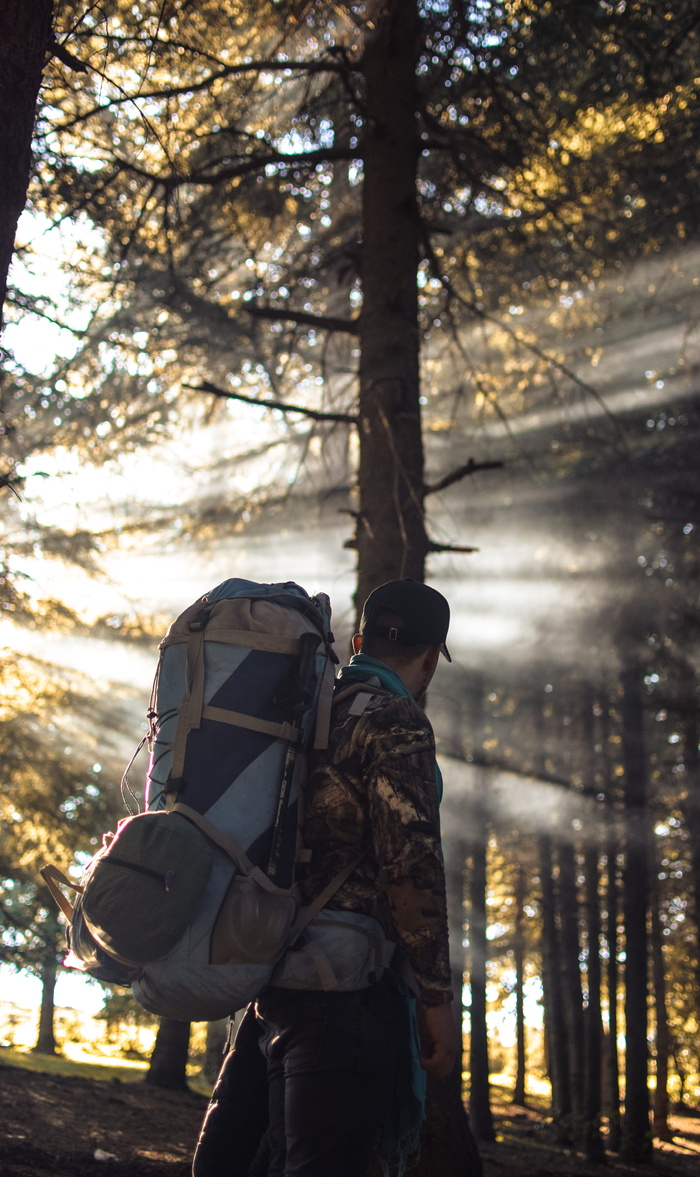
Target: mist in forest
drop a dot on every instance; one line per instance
(563, 532)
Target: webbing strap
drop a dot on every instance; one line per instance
(279, 731)
(180, 744)
(327, 893)
(356, 688)
(52, 876)
(106, 947)
(195, 679)
(228, 844)
(325, 704)
(190, 715)
(324, 968)
(246, 639)
(359, 703)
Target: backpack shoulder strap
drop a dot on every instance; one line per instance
(325, 703)
(363, 692)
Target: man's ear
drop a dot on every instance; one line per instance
(431, 659)
(357, 643)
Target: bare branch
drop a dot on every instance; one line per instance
(254, 163)
(64, 55)
(250, 163)
(314, 414)
(11, 481)
(228, 71)
(307, 318)
(470, 467)
(450, 548)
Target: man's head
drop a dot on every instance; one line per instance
(404, 623)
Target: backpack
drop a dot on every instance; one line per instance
(193, 902)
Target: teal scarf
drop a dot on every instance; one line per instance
(400, 1132)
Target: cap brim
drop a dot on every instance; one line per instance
(445, 652)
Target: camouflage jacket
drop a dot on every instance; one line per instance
(373, 792)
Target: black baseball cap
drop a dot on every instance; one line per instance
(423, 612)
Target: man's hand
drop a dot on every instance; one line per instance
(438, 1039)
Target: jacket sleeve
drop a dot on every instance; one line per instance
(399, 774)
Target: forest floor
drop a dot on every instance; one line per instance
(57, 1125)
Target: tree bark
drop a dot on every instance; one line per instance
(555, 1020)
(612, 972)
(519, 960)
(691, 755)
(391, 539)
(25, 33)
(448, 1148)
(571, 975)
(636, 1141)
(612, 984)
(455, 873)
(663, 1037)
(46, 1039)
(168, 1067)
(553, 1000)
(592, 1019)
(480, 1117)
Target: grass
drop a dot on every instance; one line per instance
(59, 1064)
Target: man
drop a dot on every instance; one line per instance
(334, 1058)
(346, 1070)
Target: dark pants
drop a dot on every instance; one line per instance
(331, 1068)
(236, 1118)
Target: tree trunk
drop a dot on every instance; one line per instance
(612, 973)
(448, 1148)
(455, 871)
(663, 1037)
(691, 755)
(592, 1019)
(554, 998)
(46, 1040)
(571, 975)
(391, 540)
(612, 985)
(519, 960)
(555, 1040)
(25, 32)
(168, 1067)
(683, 1077)
(636, 1142)
(480, 1117)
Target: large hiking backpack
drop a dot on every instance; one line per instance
(193, 901)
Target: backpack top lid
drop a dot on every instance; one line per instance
(292, 595)
(235, 586)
